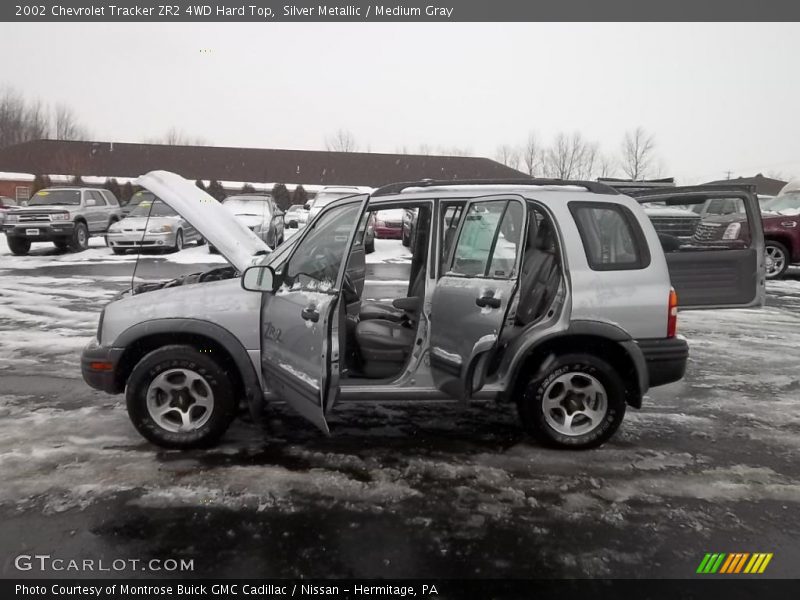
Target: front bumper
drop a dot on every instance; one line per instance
(666, 359)
(46, 231)
(138, 239)
(99, 367)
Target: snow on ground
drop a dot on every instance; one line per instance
(709, 462)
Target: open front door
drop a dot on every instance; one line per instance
(713, 240)
(472, 296)
(300, 321)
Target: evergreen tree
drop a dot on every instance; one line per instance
(125, 193)
(300, 196)
(40, 182)
(216, 190)
(199, 183)
(248, 189)
(281, 196)
(113, 186)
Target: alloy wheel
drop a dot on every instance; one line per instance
(180, 400)
(575, 403)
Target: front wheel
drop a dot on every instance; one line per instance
(777, 256)
(369, 247)
(576, 402)
(18, 246)
(180, 398)
(178, 242)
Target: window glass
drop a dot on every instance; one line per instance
(487, 244)
(98, 198)
(609, 238)
(316, 261)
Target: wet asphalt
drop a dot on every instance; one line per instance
(708, 465)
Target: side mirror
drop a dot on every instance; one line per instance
(259, 279)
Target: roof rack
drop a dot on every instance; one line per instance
(592, 186)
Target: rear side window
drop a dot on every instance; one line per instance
(611, 236)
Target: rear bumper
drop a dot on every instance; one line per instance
(389, 233)
(665, 358)
(47, 232)
(99, 367)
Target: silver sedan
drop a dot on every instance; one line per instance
(151, 224)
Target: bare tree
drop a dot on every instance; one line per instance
(638, 154)
(570, 157)
(425, 150)
(21, 121)
(176, 137)
(532, 155)
(341, 141)
(66, 125)
(508, 155)
(606, 166)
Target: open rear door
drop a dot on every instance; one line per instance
(713, 240)
(300, 321)
(472, 297)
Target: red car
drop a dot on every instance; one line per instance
(389, 224)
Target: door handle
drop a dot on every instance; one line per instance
(489, 301)
(310, 314)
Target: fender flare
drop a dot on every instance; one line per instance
(229, 342)
(599, 329)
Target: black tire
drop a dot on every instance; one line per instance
(201, 241)
(62, 244)
(18, 246)
(178, 241)
(369, 247)
(778, 250)
(167, 358)
(80, 237)
(406, 239)
(118, 250)
(212, 250)
(530, 404)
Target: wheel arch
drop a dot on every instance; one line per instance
(604, 340)
(143, 338)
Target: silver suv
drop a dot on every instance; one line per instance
(66, 216)
(553, 295)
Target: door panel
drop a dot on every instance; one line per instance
(301, 319)
(713, 241)
(472, 297)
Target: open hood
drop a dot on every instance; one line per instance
(222, 230)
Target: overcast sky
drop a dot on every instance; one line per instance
(718, 97)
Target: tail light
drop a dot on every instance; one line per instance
(672, 315)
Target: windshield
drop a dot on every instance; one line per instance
(242, 207)
(56, 198)
(786, 204)
(153, 208)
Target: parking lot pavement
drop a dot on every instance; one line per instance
(708, 465)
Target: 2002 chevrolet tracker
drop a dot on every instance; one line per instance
(554, 295)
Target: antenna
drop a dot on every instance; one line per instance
(141, 242)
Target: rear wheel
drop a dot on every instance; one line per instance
(201, 241)
(80, 237)
(178, 397)
(777, 256)
(576, 402)
(18, 246)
